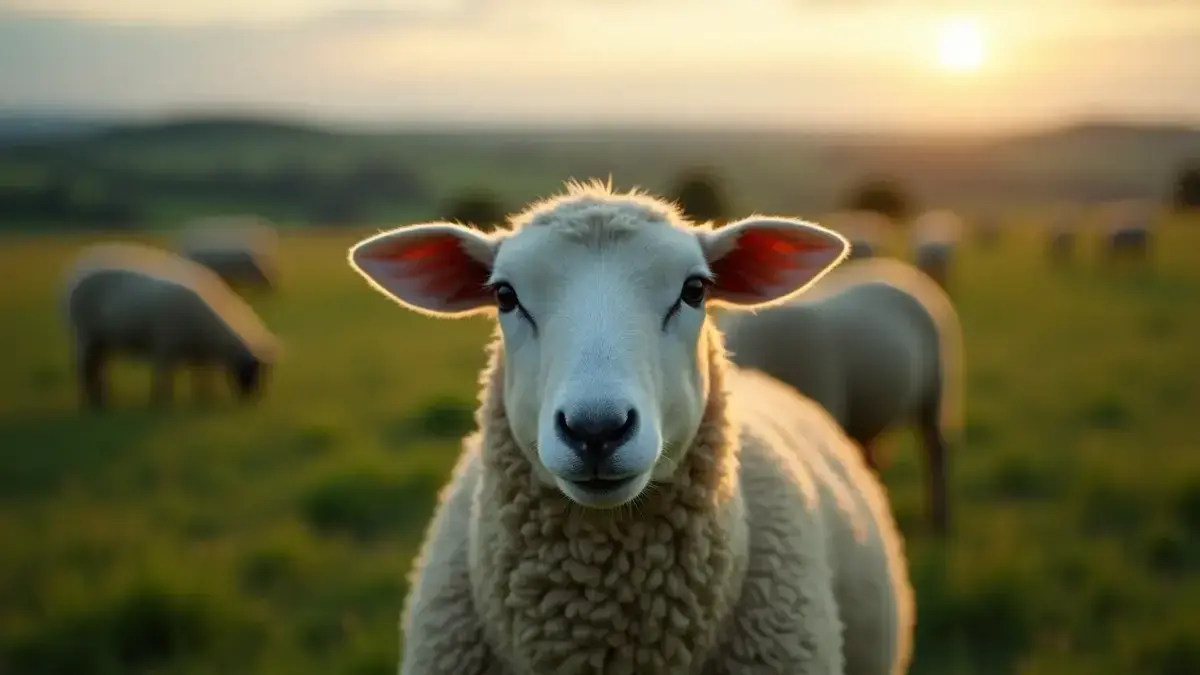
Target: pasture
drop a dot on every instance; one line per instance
(277, 538)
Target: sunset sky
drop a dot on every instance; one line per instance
(856, 64)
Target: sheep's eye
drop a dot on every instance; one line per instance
(506, 298)
(695, 289)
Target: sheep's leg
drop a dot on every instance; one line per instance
(91, 364)
(929, 424)
(163, 387)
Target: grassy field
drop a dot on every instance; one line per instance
(277, 538)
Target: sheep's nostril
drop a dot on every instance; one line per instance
(595, 436)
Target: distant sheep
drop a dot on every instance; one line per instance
(865, 231)
(1128, 235)
(1063, 237)
(632, 503)
(242, 250)
(134, 300)
(934, 238)
(878, 345)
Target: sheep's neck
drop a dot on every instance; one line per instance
(636, 590)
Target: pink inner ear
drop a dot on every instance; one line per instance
(438, 265)
(763, 259)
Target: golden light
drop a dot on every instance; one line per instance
(960, 45)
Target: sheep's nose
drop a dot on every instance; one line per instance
(595, 435)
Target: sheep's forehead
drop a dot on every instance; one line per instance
(630, 240)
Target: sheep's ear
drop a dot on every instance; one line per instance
(762, 260)
(438, 269)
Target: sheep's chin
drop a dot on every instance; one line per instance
(604, 499)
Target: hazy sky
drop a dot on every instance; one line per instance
(829, 63)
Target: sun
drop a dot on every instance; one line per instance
(960, 45)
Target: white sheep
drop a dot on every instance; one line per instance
(878, 345)
(242, 250)
(135, 300)
(632, 503)
(934, 237)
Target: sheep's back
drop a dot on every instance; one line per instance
(901, 338)
(135, 295)
(889, 347)
(794, 343)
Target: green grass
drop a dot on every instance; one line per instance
(277, 539)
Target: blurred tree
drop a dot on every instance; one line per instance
(698, 192)
(1187, 187)
(882, 195)
(475, 206)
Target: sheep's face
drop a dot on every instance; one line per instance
(601, 302)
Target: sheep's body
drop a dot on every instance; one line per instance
(129, 299)
(935, 258)
(1128, 234)
(878, 346)
(1130, 241)
(243, 251)
(794, 565)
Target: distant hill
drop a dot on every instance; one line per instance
(304, 170)
(218, 129)
(18, 125)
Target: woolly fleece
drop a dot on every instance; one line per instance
(774, 551)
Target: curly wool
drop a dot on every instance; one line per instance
(514, 578)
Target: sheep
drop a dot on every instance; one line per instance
(933, 238)
(631, 501)
(1064, 227)
(136, 300)
(1128, 234)
(878, 345)
(864, 230)
(242, 250)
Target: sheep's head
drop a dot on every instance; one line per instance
(601, 300)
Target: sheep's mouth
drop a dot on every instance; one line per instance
(603, 485)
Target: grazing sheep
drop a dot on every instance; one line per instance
(934, 235)
(134, 300)
(1128, 234)
(632, 503)
(878, 345)
(242, 250)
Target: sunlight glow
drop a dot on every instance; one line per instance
(960, 45)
